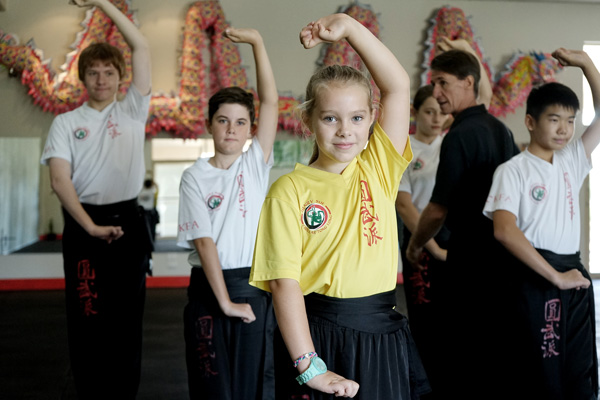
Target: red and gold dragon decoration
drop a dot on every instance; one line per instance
(183, 115)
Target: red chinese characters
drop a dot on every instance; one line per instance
(552, 317)
(368, 216)
(86, 276)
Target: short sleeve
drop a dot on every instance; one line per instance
(194, 220)
(57, 144)
(581, 163)
(278, 249)
(505, 191)
(256, 162)
(386, 161)
(452, 165)
(136, 105)
(405, 182)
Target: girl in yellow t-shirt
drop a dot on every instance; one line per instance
(327, 244)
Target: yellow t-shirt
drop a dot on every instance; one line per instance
(335, 234)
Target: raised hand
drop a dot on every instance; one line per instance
(242, 35)
(327, 29)
(83, 3)
(446, 44)
(571, 58)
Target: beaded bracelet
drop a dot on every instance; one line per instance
(304, 357)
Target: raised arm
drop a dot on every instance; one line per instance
(140, 51)
(388, 74)
(485, 87)
(268, 111)
(508, 233)
(579, 58)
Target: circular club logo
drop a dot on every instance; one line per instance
(538, 193)
(214, 201)
(315, 216)
(418, 164)
(81, 133)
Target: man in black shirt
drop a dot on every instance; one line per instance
(474, 326)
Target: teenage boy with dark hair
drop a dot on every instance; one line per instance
(228, 324)
(96, 160)
(475, 145)
(534, 204)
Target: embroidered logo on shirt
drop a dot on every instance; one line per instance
(538, 192)
(214, 200)
(316, 216)
(81, 133)
(242, 194)
(418, 164)
(112, 128)
(569, 195)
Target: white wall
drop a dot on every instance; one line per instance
(503, 27)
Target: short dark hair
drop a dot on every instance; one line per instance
(421, 96)
(231, 95)
(550, 94)
(100, 52)
(460, 64)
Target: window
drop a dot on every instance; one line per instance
(593, 49)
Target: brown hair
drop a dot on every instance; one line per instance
(460, 64)
(100, 52)
(325, 77)
(231, 95)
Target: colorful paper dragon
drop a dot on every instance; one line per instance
(183, 115)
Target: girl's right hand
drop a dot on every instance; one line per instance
(239, 310)
(327, 29)
(332, 383)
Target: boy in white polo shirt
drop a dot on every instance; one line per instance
(534, 203)
(228, 323)
(95, 155)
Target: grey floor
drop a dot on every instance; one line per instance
(33, 345)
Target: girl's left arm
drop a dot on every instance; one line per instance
(288, 302)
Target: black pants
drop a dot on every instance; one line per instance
(422, 303)
(226, 358)
(105, 288)
(362, 339)
(559, 347)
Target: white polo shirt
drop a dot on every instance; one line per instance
(543, 196)
(419, 177)
(105, 148)
(224, 204)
